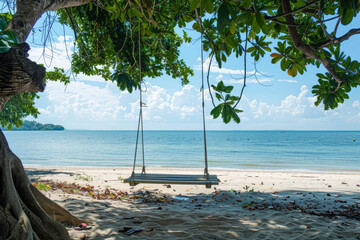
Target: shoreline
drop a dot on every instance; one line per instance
(34, 166)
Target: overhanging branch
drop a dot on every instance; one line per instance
(306, 49)
(59, 4)
(345, 37)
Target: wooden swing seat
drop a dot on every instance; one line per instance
(172, 179)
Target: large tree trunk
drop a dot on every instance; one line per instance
(25, 213)
(21, 214)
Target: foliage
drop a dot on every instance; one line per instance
(301, 36)
(19, 107)
(226, 108)
(7, 37)
(35, 126)
(57, 75)
(112, 42)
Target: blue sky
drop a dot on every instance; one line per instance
(279, 102)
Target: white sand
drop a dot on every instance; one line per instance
(245, 205)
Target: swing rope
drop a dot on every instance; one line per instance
(206, 172)
(140, 122)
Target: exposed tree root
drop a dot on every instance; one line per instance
(25, 213)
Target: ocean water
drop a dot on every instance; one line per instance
(268, 150)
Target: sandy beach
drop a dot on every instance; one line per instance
(245, 205)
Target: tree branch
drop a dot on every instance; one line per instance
(346, 36)
(336, 26)
(291, 11)
(283, 23)
(29, 11)
(59, 4)
(303, 47)
(322, 24)
(19, 74)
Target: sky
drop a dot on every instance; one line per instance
(273, 101)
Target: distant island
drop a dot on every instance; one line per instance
(35, 126)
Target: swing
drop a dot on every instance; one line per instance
(143, 177)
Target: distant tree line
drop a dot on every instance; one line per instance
(35, 126)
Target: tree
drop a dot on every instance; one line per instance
(126, 40)
(124, 36)
(303, 39)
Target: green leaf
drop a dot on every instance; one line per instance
(276, 59)
(292, 70)
(255, 26)
(133, 12)
(220, 87)
(246, 3)
(228, 89)
(260, 19)
(218, 96)
(3, 24)
(347, 16)
(237, 110)
(4, 49)
(223, 17)
(196, 26)
(207, 5)
(232, 41)
(227, 97)
(282, 64)
(234, 98)
(330, 100)
(232, 27)
(10, 37)
(216, 111)
(194, 4)
(235, 117)
(226, 113)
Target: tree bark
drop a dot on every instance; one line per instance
(25, 213)
(19, 74)
(21, 215)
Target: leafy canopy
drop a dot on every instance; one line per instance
(300, 29)
(121, 40)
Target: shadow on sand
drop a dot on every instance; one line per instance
(221, 215)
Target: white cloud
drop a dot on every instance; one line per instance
(215, 68)
(162, 105)
(82, 105)
(291, 108)
(56, 55)
(80, 101)
(287, 80)
(83, 101)
(356, 104)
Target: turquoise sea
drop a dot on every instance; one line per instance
(270, 150)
